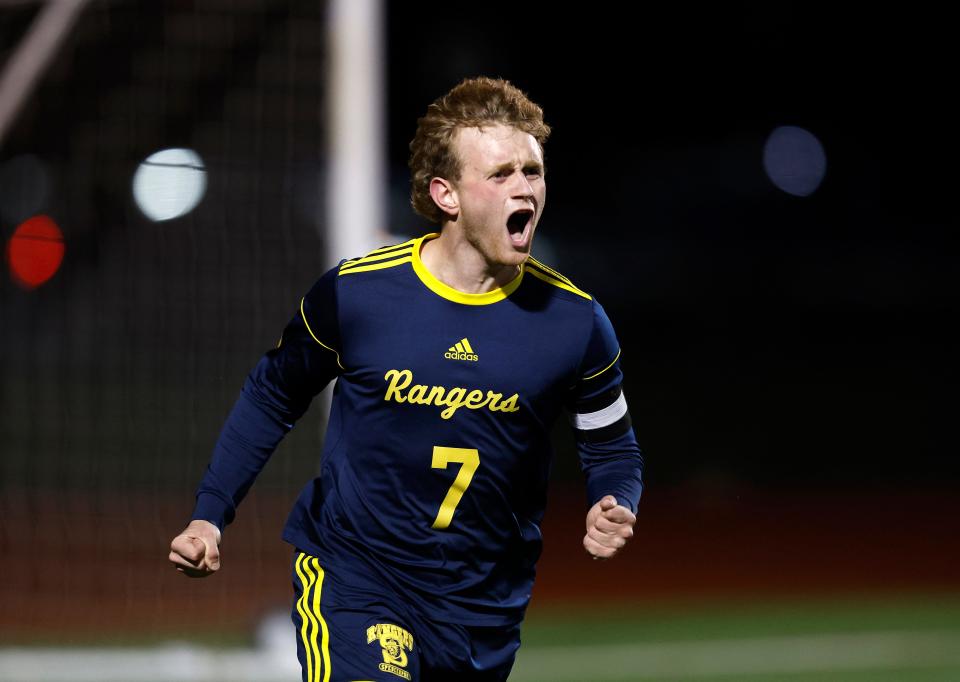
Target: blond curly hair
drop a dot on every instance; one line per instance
(473, 103)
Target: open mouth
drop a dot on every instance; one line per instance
(517, 225)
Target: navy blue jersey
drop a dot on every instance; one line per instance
(437, 453)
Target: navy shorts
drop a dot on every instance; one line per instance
(351, 628)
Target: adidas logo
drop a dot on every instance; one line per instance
(461, 350)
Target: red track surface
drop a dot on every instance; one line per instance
(80, 566)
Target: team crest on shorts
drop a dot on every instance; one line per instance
(393, 640)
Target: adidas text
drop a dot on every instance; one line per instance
(453, 355)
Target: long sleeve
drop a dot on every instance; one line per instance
(609, 454)
(275, 395)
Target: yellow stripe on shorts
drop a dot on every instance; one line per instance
(317, 656)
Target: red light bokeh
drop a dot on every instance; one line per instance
(35, 251)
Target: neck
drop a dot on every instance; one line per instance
(458, 264)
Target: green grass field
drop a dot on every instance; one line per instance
(895, 639)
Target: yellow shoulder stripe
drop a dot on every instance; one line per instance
(383, 249)
(375, 266)
(349, 265)
(594, 376)
(304, 316)
(550, 279)
(549, 270)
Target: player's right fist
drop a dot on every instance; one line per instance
(196, 551)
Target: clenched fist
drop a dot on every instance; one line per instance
(196, 551)
(609, 526)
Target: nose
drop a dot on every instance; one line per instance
(522, 189)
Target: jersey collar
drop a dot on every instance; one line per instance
(451, 294)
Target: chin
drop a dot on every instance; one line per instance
(515, 257)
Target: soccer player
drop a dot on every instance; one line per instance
(454, 353)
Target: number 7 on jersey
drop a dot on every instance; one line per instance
(470, 459)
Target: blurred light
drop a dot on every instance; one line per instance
(35, 252)
(794, 160)
(24, 187)
(169, 183)
(276, 644)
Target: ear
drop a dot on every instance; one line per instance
(445, 196)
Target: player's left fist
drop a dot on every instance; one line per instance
(609, 527)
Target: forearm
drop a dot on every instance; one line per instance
(613, 467)
(275, 395)
(256, 424)
(246, 442)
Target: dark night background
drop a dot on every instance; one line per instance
(770, 342)
(767, 337)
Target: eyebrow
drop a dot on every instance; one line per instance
(508, 165)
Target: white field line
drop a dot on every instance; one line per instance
(179, 662)
(593, 663)
(763, 655)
